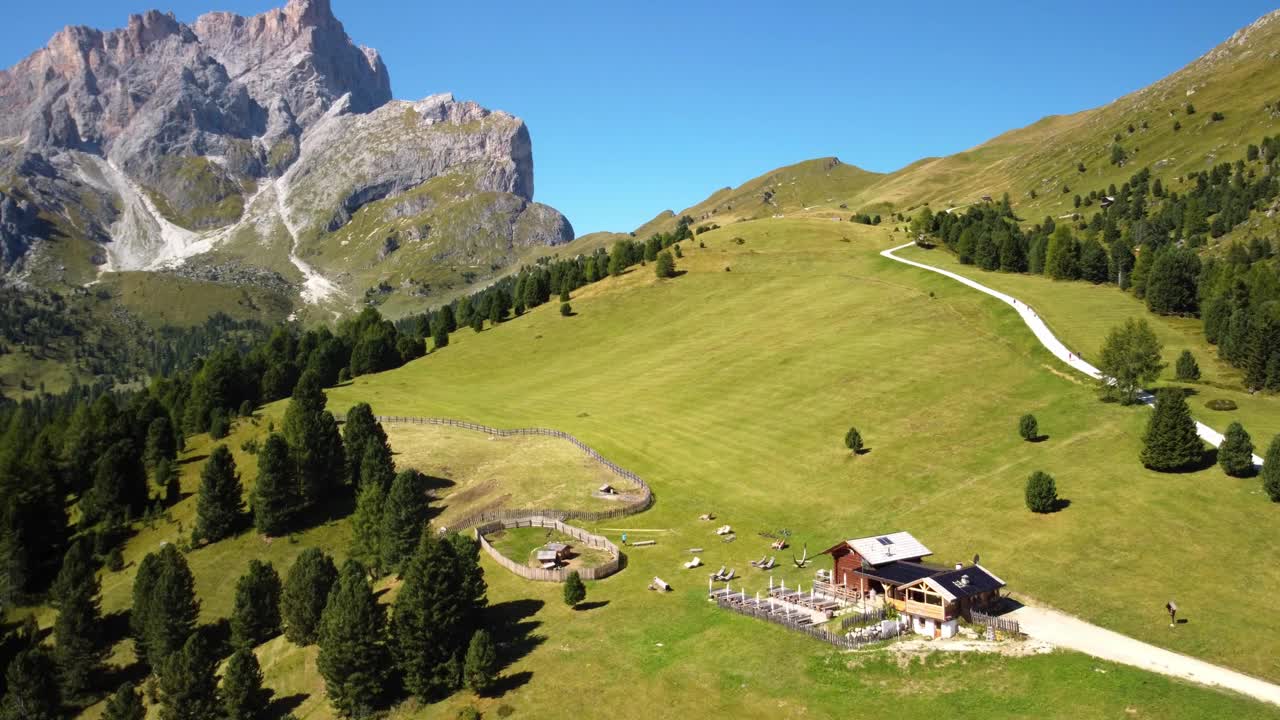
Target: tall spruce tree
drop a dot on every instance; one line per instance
(188, 684)
(1271, 470)
(353, 657)
(377, 466)
(31, 687)
(432, 621)
(220, 505)
(125, 704)
(480, 669)
(77, 630)
(306, 592)
(144, 586)
(1171, 442)
(366, 526)
(256, 615)
(119, 485)
(361, 431)
(171, 609)
(1235, 454)
(404, 519)
(1061, 260)
(314, 441)
(243, 697)
(275, 493)
(161, 443)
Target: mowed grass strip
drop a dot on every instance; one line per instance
(730, 391)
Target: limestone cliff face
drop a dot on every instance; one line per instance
(162, 141)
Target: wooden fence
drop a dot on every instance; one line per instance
(627, 507)
(559, 574)
(1002, 624)
(863, 618)
(762, 612)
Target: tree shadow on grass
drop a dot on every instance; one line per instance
(1207, 460)
(1038, 439)
(218, 635)
(513, 630)
(115, 626)
(509, 682)
(113, 676)
(432, 482)
(1061, 504)
(588, 606)
(341, 504)
(279, 707)
(194, 459)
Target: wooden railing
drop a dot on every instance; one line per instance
(762, 611)
(643, 501)
(919, 609)
(978, 617)
(558, 574)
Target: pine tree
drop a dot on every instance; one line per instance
(1187, 369)
(119, 485)
(404, 519)
(78, 647)
(160, 442)
(366, 526)
(188, 684)
(144, 586)
(1028, 428)
(1041, 492)
(1171, 442)
(306, 592)
(1172, 283)
(574, 591)
(1271, 470)
(377, 467)
(361, 431)
(353, 654)
(243, 697)
(169, 612)
(439, 336)
(314, 441)
(220, 505)
(125, 704)
(481, 667)
(31, 682)
(853, 440)
(256, 616)
(1060, 262)
(1235, 454)
(275, 493)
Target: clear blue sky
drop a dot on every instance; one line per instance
(635, 107)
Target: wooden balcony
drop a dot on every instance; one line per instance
(909, 607)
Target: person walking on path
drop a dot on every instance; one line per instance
(1172, 607)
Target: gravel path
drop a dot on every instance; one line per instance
(1067, 631)
(1048, 339)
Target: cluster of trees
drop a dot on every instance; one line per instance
(865, 219)
(1144, 237)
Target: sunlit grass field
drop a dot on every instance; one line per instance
(729, 389)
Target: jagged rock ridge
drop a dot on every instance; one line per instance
(161, 141)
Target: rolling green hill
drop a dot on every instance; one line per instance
(1237, 79)
(729, 390)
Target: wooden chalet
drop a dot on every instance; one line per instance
(889, 567)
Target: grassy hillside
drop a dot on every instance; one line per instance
(1235, 79)
(730, 392)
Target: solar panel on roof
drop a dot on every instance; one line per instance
(884, 541)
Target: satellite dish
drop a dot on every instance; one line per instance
(975, 558)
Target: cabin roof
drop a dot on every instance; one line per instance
(557, 547)
(881, 549)
(961, 583)
(900, 573)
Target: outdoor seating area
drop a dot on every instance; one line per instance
(695, 562)
(765, 564)
(722, 576)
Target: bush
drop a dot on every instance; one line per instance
(1187, 369)
(468, 713)
(219, 425)
(1271, 470)
(1028, 428)
(853, 440)
(1235, 455)
(115, 560)
(344, 375)
(566, 309)
(574, 591)
(505, 710)
(1217, 117)
(1042, 492)
(1221, 404)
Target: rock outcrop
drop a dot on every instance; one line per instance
(161, 141)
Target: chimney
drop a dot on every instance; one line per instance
(959, 566)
